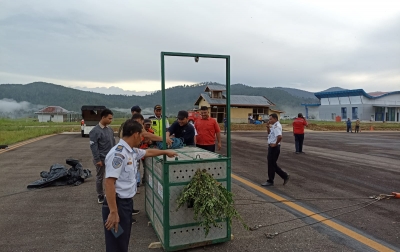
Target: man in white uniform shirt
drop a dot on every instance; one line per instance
(274, 148)
(120, 183)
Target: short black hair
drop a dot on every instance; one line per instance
(300, 115)
(203, 108)
(131, 127)
(275, 116)
(137, 116)
(106, 112)
(136, 109)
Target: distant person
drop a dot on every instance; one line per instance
(207, 130)
(120, 184)
(157, 125)
(357, 128)
(298, 131)
(259, 117)
(181, 128)
(348, 124)
(225, 125)
(134, 110)
(101, 141)
(274, 129)
(250, 119)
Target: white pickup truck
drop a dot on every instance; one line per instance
(91, 117)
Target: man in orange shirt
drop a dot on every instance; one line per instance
(207, 129)
(298, 132)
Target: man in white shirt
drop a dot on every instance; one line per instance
(120, 184)
(274, 148)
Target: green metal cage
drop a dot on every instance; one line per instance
(166, 178)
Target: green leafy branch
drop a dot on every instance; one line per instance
(211, 201)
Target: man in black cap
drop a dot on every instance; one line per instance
(181, 128)
(134, 110)
(157, 123)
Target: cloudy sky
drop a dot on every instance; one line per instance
(310, 45)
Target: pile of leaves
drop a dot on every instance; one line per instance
(211, 201)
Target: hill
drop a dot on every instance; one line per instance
(298, 92)
(334, 89)
(178, 98)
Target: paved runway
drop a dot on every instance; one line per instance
(336, 165)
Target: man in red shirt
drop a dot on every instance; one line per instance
(207, 129)
(298, 132)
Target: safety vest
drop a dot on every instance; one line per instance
(157, 126)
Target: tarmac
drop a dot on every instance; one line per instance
(68, 218)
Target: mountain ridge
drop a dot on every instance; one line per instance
(178, 97)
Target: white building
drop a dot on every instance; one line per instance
(52, 114)
(356, 103)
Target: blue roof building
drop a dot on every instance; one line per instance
(357, 104)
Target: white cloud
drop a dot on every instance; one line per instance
(282, 43)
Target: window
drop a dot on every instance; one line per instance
(344, 113)
(354, 113)
(258, 111)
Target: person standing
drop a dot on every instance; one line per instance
(120, 184)
(207, 130)
(134, 110)
(348, 124)
(182, 129)
(274, 149)
(101, 141)
(357, 128)
(298, 131)
(157, 125)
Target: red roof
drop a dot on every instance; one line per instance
(53, 110)
(377, 93)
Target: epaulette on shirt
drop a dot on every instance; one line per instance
(119, 148)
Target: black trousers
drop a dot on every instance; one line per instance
(298, 141)
(357, 129)
(273, 155)
(207, 147)
(349, 129)
(121, 243)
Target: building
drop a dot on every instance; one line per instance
(52, 114)
(356, 103)
(242, 106)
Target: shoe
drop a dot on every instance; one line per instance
(286, 179)
(301, 152)
(134, 212)
(267, 184)
(297, 152)
(133, 221)
(100, 199)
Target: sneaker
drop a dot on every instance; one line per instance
(267, 184)
(286, 179)
(302, 152)
(134, 212)
(100, 199)
(133, 221)
(297, 152)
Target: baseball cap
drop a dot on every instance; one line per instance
(147, 121)
(136, 108)
(182, 115)
(157, 107)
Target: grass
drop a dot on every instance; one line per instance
(17, 130)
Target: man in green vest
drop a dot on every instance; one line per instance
(157, 123)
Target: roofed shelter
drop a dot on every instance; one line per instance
(356, 103)
(242, 106)
(52, 114)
